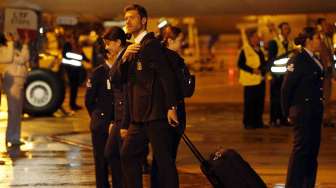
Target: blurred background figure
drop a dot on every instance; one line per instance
(326, 31)
(14, 77)
(73, 67)
(279, 47)
(98, 51)
(252, 67)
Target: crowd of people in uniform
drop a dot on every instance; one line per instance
(257, 63)
(137, 79)
(300, 96)
(133, 99)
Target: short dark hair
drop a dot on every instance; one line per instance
(171, 32)
(140, 9)
(115, 33)
(307, 33)
(250, 32)
(320, 20)
(3, 40)
(282, 24)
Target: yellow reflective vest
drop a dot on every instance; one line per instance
(281, 48)
(253, 61)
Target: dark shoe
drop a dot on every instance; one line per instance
(329, 124)
(264, 127)
(146, 169)
(285, 123)
(76, 107)
(260, 125)
(273, 124)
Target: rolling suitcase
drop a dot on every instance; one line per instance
(226, 169)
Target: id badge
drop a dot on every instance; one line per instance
(108, 84)
(139, 65)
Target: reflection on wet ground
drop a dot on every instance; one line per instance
(58, 152)
(47, 164)
(65, 158)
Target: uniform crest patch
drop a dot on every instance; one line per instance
(139, 66)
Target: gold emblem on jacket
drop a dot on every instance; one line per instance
(139, 66)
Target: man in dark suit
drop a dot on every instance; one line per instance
(152, 103)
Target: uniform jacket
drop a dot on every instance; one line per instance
(150, 82)
(99, 98)
(121, 108)
(277, 48)
(303, 83)
(177, 63)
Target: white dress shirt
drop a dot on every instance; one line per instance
(315, 60)
(139, 38)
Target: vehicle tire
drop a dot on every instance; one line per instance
(44, 92)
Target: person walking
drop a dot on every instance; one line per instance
(14, 77)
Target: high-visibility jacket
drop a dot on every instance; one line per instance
(253, 61)
(281, 47)
(282, 56)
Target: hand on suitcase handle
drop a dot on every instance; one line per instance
(172, 117)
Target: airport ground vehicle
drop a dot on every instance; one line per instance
(44, 88)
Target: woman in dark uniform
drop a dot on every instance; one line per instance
(302, 97)
(172, 39)
(121, 121)
(106, 105)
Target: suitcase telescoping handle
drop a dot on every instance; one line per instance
(193, 149)
(205, 166)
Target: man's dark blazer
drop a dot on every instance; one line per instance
(151, 82)
(121, 106)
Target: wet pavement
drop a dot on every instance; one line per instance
(58, 149)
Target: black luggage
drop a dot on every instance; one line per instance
(226, 169)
